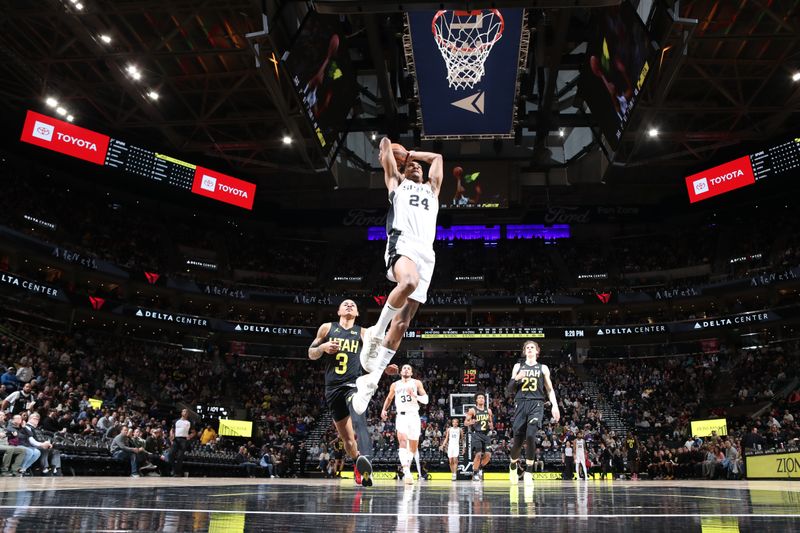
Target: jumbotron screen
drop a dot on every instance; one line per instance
(616, 68)
(474, 185)
(69, 139)
(743, 171)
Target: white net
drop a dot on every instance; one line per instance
(465, 39)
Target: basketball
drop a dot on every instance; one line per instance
(458, 172)
(400, 155)
(392, 370)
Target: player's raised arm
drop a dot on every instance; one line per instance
(391, 174)
(319, 348)
(551, 393)
(491, 420)
(436, 172)
(387, 402)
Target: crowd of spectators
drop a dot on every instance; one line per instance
(93, 385)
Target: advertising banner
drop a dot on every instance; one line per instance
(63, 137)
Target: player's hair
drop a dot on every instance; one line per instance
(480, 394)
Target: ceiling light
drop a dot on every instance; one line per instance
(52, 102)
(70, 118)
(136, 75)
(796, 76)
(287, 139)
(374, 136)
(79, 6)
(153, 95)
(61, 111)
(105, 38)
(652, 133)
(561, 132)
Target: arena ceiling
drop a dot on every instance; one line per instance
(723, 77)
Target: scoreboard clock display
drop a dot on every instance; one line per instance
(469, 379)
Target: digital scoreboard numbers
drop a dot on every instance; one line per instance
(150, 165)
(470, 378)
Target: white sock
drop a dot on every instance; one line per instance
(384, 358)
(405, 460)
(387, 314)
(419, 465)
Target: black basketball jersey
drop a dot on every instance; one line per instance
(630, 444)
(481, 420)
(531, 387)
(343, 367)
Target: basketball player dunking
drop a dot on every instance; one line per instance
(480, 421)
(411, 230)
(340, 343)
(407, 393)
(527, 379)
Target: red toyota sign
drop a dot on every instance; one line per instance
(65, 138)
(720, 179)
(224, 188)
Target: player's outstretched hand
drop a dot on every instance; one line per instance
(392, 370)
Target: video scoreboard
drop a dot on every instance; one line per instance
(69, 139)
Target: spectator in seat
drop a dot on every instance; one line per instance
(13, 456)
(15, 435)
(753, 440)
(25, 371)
(51, 422)
(50, 458)
(122, 448)
(246, 461)
(19, 401)
(208, 436)
(155, 448)
(538, 461)
(9, 380)
(266, 464)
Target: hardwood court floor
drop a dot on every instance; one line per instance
(325, 506)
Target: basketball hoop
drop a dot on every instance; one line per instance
(465, 39)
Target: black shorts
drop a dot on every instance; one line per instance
(527, 412)
(480, 443)
(338, 401)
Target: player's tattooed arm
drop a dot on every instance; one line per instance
(319, 348)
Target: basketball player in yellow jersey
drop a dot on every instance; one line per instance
(411, 230)
(339, 343)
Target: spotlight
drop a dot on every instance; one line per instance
(796, 76)
(652, 133)
(51, 102)
(70, 118)
(153, 95)
(105, 38)
(133, 71)
(61, 111)
(561, 132)
(79, 6)
(287, 139)
(374, 136)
